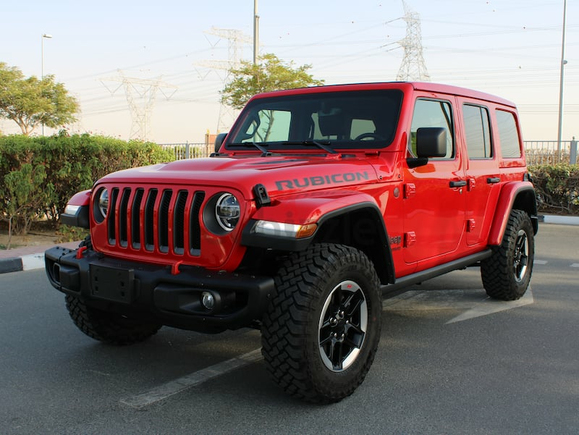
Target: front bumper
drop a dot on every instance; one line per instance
(154, 292)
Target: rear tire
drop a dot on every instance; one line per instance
(321, 330)
(111, 328)
(507, 273)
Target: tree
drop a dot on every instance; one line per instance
(23, 193)
(30, 101)
(269, 74)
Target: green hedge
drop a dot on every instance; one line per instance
(557, 188)
(57, 167)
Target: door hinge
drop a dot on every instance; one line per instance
(409, 190)
(409, 239)
(470, 225)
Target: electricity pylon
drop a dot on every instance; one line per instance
(413, 67)
(141, 95)
(235, 39)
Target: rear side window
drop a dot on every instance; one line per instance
(477, 131)
(508, 134)
(433, 113)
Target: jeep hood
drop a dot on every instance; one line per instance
(279, 174)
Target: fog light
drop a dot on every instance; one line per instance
(208, 300)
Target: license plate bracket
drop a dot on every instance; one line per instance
(112, 284)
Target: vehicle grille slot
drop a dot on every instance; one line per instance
(123, 218)
(156, 220)
(111, 218)
(149, 220)
(164, 220)
(136, 219)
(194, 226)
(179, 222)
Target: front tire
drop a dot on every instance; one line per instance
(321, 331)
(108, 327)
(507, 273)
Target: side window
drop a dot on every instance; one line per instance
(432, 113)
(508, 134)
(477, 131)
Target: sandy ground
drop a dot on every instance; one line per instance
(33, 238)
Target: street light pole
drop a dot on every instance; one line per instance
(44, 36)
(563, 63)
(255, 32)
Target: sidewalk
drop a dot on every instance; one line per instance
(32, 257)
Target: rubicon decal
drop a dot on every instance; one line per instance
(322, 180)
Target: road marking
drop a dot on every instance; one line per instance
(171, 388)
(492, 306)
(475, 303)
(540, 262)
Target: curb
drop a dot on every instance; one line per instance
(559, 220)
(27, 259)
(19, 264)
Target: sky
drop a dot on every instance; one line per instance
(510, 48)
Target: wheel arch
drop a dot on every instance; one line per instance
(520, 196)
(360, 226)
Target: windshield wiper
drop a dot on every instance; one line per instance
(321, 145)
(264, 152)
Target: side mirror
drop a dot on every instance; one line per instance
(431, 142)
(219, 141)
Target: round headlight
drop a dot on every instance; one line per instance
(227, 211)
(103, 202)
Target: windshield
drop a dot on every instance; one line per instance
(326, 120)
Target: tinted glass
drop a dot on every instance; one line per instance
(477, 131)
(508, 134)
(433, 113)
(356, 119)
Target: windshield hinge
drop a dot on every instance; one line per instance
(261, 196)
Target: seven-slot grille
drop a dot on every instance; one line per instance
(152, 219)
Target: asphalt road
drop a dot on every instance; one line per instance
(450, 362)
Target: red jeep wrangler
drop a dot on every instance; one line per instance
(318, 202)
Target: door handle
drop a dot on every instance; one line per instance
(493, 180)
(460, 183)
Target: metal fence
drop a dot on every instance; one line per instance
(547, 152)
(538, 152)
(188, 150)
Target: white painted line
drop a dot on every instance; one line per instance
(473, 302)
(428, 300)
(492, 306)
(575, 265)
(184, 383)
(540, 262)
(32, 261)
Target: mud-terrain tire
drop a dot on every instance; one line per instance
(507, 273)
(109, 328)
(322, 327)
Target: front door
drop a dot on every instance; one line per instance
(434, 204)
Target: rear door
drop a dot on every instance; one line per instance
(483, 178)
